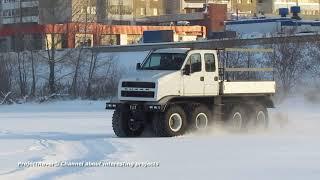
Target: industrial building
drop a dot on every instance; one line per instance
(75, 23)
(19, 11)
(310, 9)
(71, 35)
(62, 11)
(252, 28)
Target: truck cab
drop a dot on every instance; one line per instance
(179, 89)
(172, 72)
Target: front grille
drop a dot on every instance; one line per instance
(139, 84)
(144, 94)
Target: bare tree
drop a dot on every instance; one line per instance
(233, 60)
(313, 59)
(33, 88)
(86, 14)
(289, 64)
(5, 79)
(56, 12)
(5, 84)
(22, 74)
(91, 72)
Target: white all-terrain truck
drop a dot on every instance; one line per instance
(175, 90)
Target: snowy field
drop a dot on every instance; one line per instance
(80, 131)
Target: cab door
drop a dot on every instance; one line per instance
(211, 73)
(193, 80)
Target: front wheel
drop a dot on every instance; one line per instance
(125, 126)
(173, 122)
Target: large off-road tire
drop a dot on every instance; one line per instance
(238, 119)
(121, 125)
(173, 122)
(260, 117)
(200, 118)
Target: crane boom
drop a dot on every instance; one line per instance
(210, 44)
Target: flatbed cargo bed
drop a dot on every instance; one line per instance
(248, 87)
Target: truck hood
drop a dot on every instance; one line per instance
(166, 83)
(148, 75)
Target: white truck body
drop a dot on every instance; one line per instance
(177, 89)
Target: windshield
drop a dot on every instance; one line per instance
(164, 61)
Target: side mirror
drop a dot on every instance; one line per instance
(186, 70)
(138, 67)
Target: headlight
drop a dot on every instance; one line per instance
(111, 106)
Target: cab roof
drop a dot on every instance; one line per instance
(172, 50)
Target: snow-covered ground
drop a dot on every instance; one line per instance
(80, 131)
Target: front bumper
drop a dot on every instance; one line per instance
(142, 107)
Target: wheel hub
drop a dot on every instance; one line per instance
(201, 121)
(261, 119)
(175, 122)
(237, 120)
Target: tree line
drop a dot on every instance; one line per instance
(34, 75)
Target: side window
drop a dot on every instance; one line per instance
(210, 62)
(195, 63)
(153, 61)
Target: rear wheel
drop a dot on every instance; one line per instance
(261, 118)
(200, 118)
(172, 122)
(125, 126)
(238, 119)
